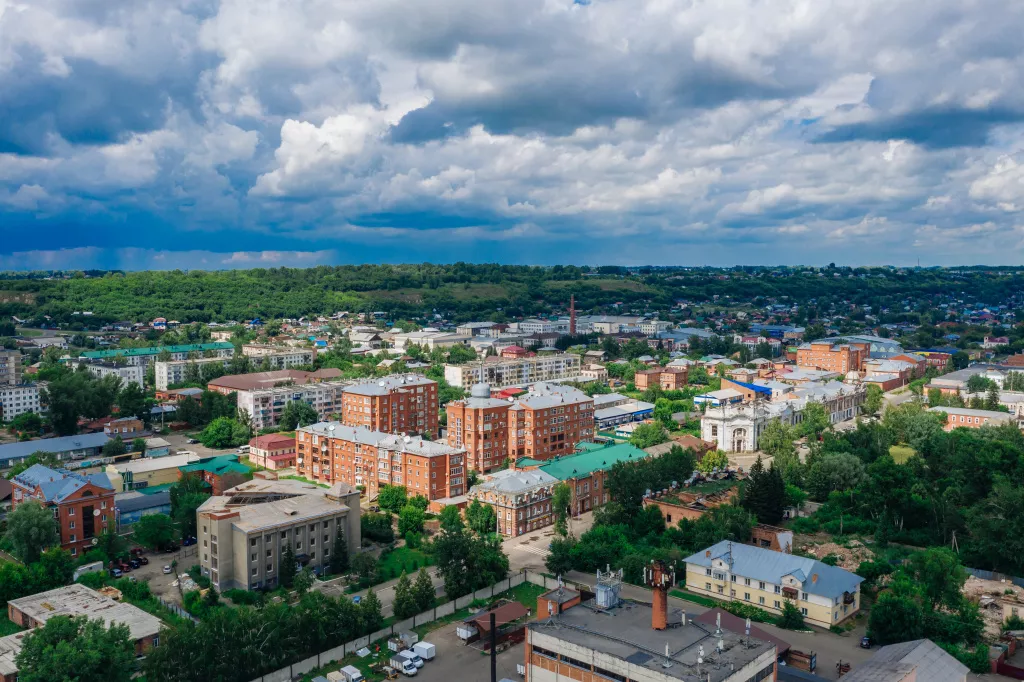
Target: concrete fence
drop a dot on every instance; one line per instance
(339, 652)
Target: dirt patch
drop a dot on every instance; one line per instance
(990, 595)
(849, 557)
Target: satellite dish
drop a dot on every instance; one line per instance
(95, 512)
(95, 541)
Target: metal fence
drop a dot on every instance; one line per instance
(993, 575)
(177, 610)
(337, 653)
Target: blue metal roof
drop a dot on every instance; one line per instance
(59, 484)
(55, 445)
(753, 387)
(771, 566)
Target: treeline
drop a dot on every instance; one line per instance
(464, 291)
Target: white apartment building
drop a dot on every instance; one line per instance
(129, 374)
(504, 372)
(147, 356)
(10, 367)
(265, 405)
(15, 400)
(280, 357)
(560, 326)
(430, 339)
(167, 374)
(653, 327)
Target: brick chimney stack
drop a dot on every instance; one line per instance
(659, 579)
(572, 314)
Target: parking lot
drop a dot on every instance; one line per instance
(163, 585)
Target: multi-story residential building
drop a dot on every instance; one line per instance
(957, 417)
(11, 372)
(146, 356)
(827, 356)
(542, 326)
(400, 403)
(654, 327)
(15, 400)
(171, 372)
(729, 571)
(475, 328)
(330, 452)
(127, 428)
(243, 532)
(265, 406)
(129, 374)
(480, 425)
(549, 421)
(521, 499)
(504, 372)
(279, 357)
(429, 339)
(594, 372)
(611, 324)
(272, 451)
(255, 381)
(82, 504)
(668, 378)
(70, 601)
(65, 448)
(609, 641)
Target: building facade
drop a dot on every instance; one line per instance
(479, 424)
(279, 357)
(549, 421)
(829, 357)
(266, 405)
(330, 452)
(504, 372)
(401, 403)
(668, 378)
(826, 595)
(129, 374)
(82, 504)
(11, 371)
(16, 400)
(521, 500)
(272, 451)
(243, 532)
(171, 372)
(964, 417)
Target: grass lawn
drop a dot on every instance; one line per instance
(306, 480)
(28, 332)
(403, 558)
(526, 594)
(695, 598)
(901, 453)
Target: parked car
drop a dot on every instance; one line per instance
(356, 599)
(189, 541)
(865, 642)
(135, 563)
(171, 548)
(115, 573)
(143, 560)
(124, 566)
(167, 570)
(192, 441)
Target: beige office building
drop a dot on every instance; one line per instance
(243, 532)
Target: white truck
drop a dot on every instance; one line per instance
(94, 567)
(403, 665)
(424, 650)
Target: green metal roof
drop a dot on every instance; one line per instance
(225, 464)
(154, 489)
(590, 458)
(156, 350)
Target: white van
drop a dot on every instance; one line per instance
(424, 650)
(243, 449)
(412, 656)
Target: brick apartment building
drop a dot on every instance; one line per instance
(549, 421)
(668, 378)
(330, 452)
(83, 505)
(402, 403)
(964, 417)
(825, 355)
(480, 425)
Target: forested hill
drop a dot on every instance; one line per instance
(463, 291)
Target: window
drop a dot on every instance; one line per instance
(707, 571)
(71, 525)
(803, 611)
(777, 604)
(746, 596)
(255, 571)
(721, 589)
(270, 568)
(707, 586)
(761, 585)
(71, 511)
(760, 600)
(803, 596)
(252, 542)
(778, 590)
(746, 581)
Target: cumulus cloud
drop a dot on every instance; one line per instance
(782, 131)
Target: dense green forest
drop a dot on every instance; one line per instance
(464, 291)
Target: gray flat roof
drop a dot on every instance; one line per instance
(625, 632)
(79, 600)
(55, 445)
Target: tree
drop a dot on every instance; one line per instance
(992, 398)
(561, 498)
(304, 580)
(155, 531)
(481, 518)
(31, 528)
(873, 399)
(114, 447)
(420, 502)
(990, 544)
(941, 577)
(404, 604)
(765, 493)
(715, 459)
(27, 422)
(223, 432)
(897, 616)
(815, 420)
(190, 412)
(365, 565)
(392, 498)
(297, 413)
(339, 553)
(423, 591)
(790, 618)
(377, 527)
(451, 519)
(371, 611)
(410, 520)
(288, 567)
(559, 560)
(77, 649)
(647, 435)
(186, 497)
(835, 471)
(776, 439)
(132, 402)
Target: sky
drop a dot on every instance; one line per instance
(212, 134)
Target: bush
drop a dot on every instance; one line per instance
(830, 560)
(791, 618)
(377, 527)
(197, 575)
(871, 571)
(244, 597)
(976, 660)
(747, 611)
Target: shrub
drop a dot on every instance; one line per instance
(1014, 622)
(244, 597)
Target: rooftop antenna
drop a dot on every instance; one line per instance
(718, 624)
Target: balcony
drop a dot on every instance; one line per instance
(849, 598)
